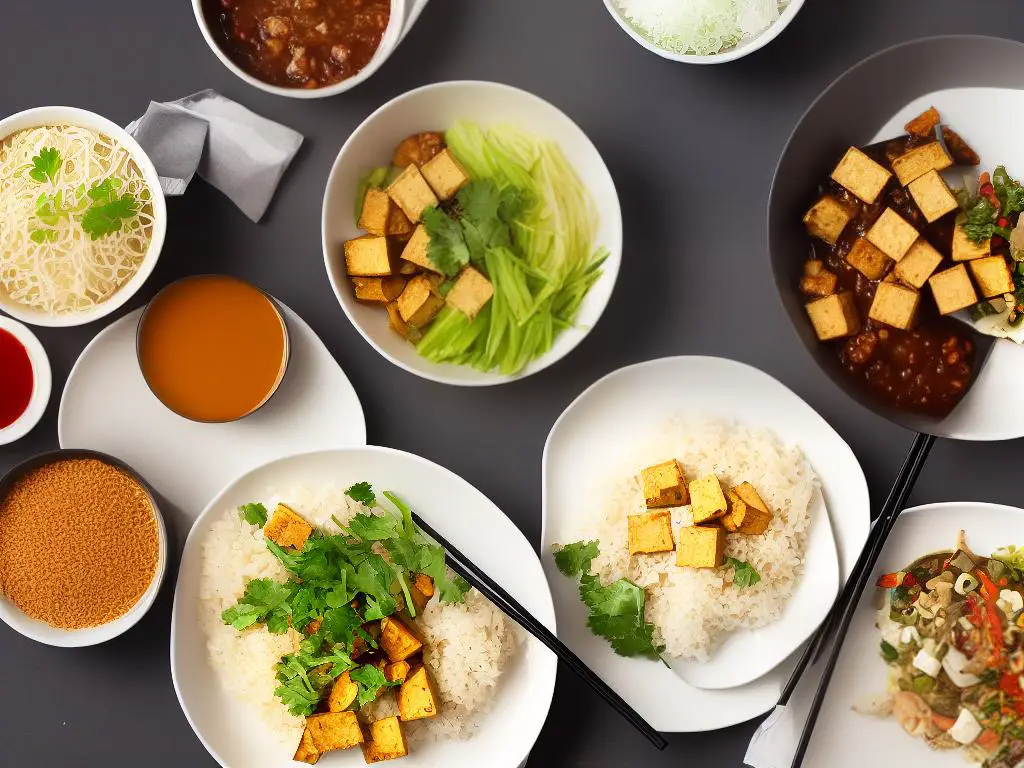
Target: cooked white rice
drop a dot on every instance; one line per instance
(467, 646)
(693, 608)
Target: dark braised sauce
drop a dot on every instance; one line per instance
(299, 43)
(927, 369)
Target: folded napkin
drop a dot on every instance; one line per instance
(237, 151)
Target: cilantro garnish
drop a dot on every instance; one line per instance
(370, 681)
(45, 165)
(743, 573)
(265, 601)
(574, 559)
(363, 493)
(109, 210)
(253, 514)
(447, 250)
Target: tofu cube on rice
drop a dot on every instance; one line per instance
(386, 741)
(650, 532)
(665, 485)
(287, 529)
(701, 546)
(707, 499)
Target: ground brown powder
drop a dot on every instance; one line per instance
(78, 543)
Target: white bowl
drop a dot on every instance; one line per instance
(435, 107)
(42, 632)
(730, 54)
(42, 381)
(230, 730)
(393, 34)
(38, 116)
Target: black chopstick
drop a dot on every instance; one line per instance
(508, 605)
(843, 611)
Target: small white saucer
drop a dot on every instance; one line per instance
(42, 382)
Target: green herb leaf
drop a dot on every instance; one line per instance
(574, 559)
(744, 574)
(374, 179)
(45, 165)
(370, 681)
(43, 235)
(363, 493)
(253, 514)
(375, 527)
(264, 601)
(108, 211)
(889, 653)
(447, 250)
(1009, 192)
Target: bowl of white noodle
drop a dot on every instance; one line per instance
(82, 216)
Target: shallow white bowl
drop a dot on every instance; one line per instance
(730, 54)
(42, 381)
(37, 116)
(231, 731)
(41, 632)
(435, 107)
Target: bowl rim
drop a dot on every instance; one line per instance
(611, 266)
(40, 116)
(42, 383)
(730, 54)
(88, 636)
(389, 41)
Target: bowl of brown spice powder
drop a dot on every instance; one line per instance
(83, 548)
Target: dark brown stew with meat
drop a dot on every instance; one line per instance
(299, 43)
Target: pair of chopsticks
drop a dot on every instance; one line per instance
(839, 618)
(511, 608)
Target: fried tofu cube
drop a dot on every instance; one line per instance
(827, 219)
(411, 193)
(918, 161)
(748, 514)
(386, 741)
(701, 546)
(470, 293)
(378, 290)
(860, 175)
(399, 326)
(868, 259)
(334, 730)
(818, 281)
(665, 485)
(965, 249)
(835, 316)
(650, 532)
(306, 752)
(924, 124)
(445, 174)
(892, 234)
(952, 289)
(417, 697)
(343, 693)
(376, 210)
(707, 499)
(397, 640)
(417, 250)
(286, 528)
(419, 302)
(368, 256)
(397, 672)
(932, 195)
(398, 224)
(992, 276)
(421, 590)
(895, 305)
(917, 266)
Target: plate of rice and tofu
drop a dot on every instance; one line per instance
(699, 520)
(315, 624)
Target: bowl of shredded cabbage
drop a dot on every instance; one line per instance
(471, 232)
(703, 31)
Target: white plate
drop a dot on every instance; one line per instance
(107, 406)
(628, 404)
(844, 739)
(468, 519)
(435, 107)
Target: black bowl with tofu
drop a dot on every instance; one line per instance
(868, 258)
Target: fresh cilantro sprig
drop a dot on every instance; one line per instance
(45, 165)
(363, 493)
(370, 681)
(109, 210)
(253, 514)
(743, 573)
(265, 602)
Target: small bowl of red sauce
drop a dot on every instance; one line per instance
(25, 381)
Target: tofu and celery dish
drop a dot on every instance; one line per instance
(953, 637)
(342, 627)
(479, 245)
(896, 253)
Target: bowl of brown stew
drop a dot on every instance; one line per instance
(305, 49)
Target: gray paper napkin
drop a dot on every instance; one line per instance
(237, 151)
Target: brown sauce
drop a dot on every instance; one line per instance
(298, 43)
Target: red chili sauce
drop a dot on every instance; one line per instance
(16, 379)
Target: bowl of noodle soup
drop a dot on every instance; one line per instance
(82, 216)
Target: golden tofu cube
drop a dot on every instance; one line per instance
(707, 499)
(917, 266)
(992, 275)
(286, 528)
(701, 546)
(445, 174)
(860, 175)
(917, 162)
(398, 224)
(368, 256)
(470, 293)
(424, 584)
(827, 219)
(417, 697)
(892, 234)
(965, 249)
(376, 211)
(411, 193)
(835, 316)
(895, 305)
(650, 532)
(417, 250)
(932, 195)
(306, 752)
(419, 302)
(746, 518)
(397, 640)
(952, 289)
(386, 741)
(397, 672)
(334, 730)
(665, 485)
(378, 290)
(867, 259)
(343, 693)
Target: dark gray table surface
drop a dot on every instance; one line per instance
(692, 150)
